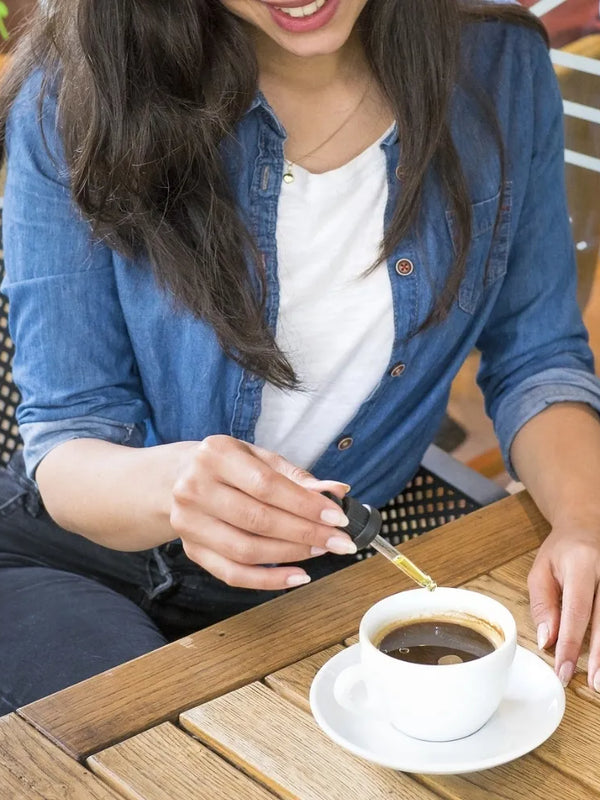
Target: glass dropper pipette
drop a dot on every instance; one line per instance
(402, 562)
(364, 527)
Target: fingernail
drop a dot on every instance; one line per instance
(340, 545)
(297, 580)
(565, 673)
(334, 516)
(347, 487)
(597, 681)
(543, 634)
(317, 551)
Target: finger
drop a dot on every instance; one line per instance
(340, 490)
(577, 601)
(195, 528)
(241, 468)
(594, 657)
(544, 601)
(249, 577)
(299, 475)
(247, 514)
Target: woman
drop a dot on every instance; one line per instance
(248, 246)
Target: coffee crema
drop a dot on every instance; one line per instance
(439, 639)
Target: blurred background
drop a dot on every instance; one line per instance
(574, 29)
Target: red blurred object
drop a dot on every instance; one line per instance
(571, 20)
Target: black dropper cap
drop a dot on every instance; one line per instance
(365, 522)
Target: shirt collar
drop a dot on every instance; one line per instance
(261, 103)
(392, 137)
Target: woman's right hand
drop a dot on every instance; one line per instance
(238, 507)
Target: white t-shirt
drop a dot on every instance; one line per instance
(335, 326)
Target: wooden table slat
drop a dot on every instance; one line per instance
(294, 682)
(527, 778)
(164, 762)
(283, 747)
(579, 685)
(32, 768)
(574, 747)
(515, 572)
(153, 688)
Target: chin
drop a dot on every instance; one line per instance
(318, 44)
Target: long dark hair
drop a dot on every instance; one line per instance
(147, 92)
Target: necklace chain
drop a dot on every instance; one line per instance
(288, 175)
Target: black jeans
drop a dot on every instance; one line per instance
(70, 608)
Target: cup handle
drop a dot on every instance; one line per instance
(350, 692)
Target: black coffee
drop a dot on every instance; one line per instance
(438, 641)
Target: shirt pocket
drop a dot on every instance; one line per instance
(487, 258)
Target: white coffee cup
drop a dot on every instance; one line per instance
(436, 703)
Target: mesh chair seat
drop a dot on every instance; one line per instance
(426, 502)
(10, 441)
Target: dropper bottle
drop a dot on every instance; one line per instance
(364, 529)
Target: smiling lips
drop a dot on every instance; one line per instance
(302, 11)
(298, 16)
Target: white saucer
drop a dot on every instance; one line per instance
(529, 713)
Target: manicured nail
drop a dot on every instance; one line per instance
(334, 516)
(543, 634)
(347, 487)
(317, 551)
(597, 681)
(340, 545)
(565, 673)
(298, 580)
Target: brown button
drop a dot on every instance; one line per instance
(397, 370)
(345, 443)
(404, 266)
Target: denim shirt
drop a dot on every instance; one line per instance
(102, 352)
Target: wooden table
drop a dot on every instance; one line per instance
(224, 714)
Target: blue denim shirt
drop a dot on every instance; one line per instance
(102, 352)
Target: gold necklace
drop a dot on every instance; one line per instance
(288, 175)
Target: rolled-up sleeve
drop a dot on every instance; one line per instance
(73, 362)
(534, 345)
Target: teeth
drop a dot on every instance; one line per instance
(304, 11)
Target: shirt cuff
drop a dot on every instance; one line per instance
(536, 393)
(39, 438)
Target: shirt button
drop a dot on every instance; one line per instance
(345, 443)
(404, 266)
(397, 370)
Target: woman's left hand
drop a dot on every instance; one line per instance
(562, 588)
